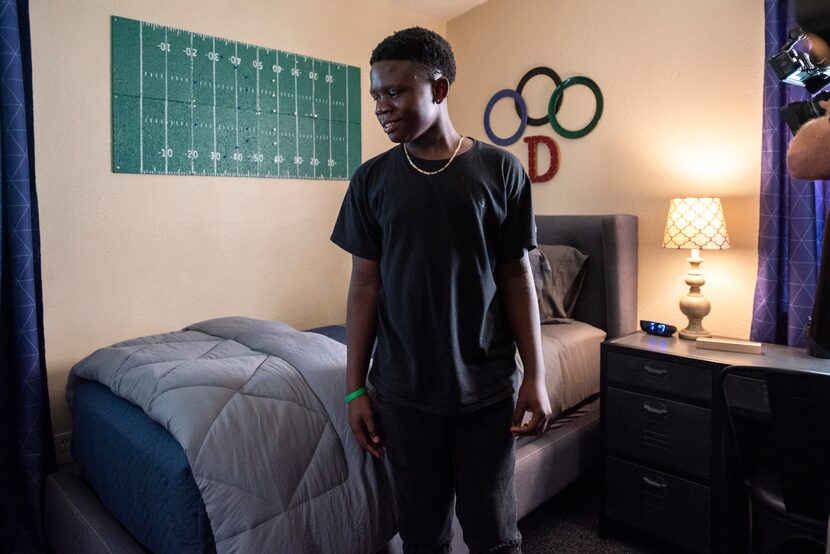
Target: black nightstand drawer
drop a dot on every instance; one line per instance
(669, 507)
(654, 375)
(672, 434)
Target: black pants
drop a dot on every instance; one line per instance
(469, 456)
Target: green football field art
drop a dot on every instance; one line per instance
(189, 104)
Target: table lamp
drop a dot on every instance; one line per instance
(695, 223)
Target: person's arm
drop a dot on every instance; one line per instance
(809, 154)
(518, 293)
(361, 328)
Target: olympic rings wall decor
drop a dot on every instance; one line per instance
(553, 106)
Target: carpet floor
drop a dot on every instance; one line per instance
(567, 524)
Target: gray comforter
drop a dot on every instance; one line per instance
(258, 408)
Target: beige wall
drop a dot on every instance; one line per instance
(682, 83)
(128, 255)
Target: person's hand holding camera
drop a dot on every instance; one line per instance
(809, 154)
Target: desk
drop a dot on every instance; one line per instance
(666, 460)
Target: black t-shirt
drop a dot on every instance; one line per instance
(443, 342)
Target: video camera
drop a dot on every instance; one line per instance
(798, 67)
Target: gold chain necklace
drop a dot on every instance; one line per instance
(446, 165)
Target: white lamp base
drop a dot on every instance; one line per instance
(694, 305)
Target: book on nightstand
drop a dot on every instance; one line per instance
(729, 345)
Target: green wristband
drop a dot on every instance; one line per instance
(355, 394)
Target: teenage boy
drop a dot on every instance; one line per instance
(439, 228)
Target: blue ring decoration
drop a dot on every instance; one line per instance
(506, 93)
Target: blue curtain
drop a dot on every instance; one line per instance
(27, 451)
(792, 211)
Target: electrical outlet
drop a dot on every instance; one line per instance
(63, 448)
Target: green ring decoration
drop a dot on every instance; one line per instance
(554, 100)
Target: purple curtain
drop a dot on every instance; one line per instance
(792, 212)
(26, 448)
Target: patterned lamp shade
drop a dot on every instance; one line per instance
(696, 223)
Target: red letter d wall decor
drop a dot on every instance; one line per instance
(533, 159)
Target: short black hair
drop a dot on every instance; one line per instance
(422, 46)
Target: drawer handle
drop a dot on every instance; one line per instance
(656, 371)
(653, 484)
(661, 411)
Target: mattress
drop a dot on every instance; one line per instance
(571, 352)
(140, 472)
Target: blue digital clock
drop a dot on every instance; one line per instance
(657, 328)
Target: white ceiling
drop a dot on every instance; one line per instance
(443, 9)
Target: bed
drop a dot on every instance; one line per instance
(139, 487)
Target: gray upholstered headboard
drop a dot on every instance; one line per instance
(609, 293)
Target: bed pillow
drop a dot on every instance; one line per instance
(558, 273)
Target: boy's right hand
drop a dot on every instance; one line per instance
(362, 422)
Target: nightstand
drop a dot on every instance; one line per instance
(667, 468)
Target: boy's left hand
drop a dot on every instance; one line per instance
(533, 398)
